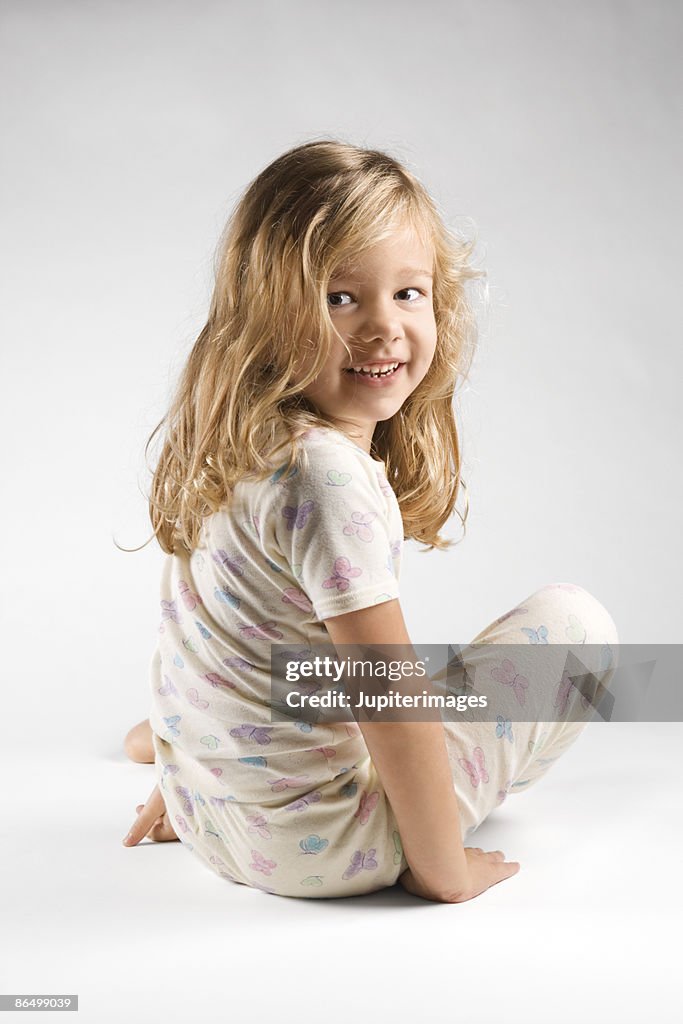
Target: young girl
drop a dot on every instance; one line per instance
(312, 432)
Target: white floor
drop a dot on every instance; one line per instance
(589, 928)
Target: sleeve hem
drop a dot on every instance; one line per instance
(357, 600)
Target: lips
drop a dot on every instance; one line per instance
(379, 380)
(375, 366)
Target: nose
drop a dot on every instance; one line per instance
(380, 322)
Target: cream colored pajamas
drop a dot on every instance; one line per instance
(295, 808)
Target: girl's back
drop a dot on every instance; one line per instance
(292, 549)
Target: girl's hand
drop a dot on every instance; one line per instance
(152, 821)
(483, 871)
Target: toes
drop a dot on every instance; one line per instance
(164, 830)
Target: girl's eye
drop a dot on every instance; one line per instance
(337, 295)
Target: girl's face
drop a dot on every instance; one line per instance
(382, 307)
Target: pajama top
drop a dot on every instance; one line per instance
(291, 807)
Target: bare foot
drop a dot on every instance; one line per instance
(138, 743)
(162, 830)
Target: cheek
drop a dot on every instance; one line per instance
(329, 380)
(426, 355)
(420, 365)
(430, 347)
(304, 360)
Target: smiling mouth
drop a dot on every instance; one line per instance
(376, 373)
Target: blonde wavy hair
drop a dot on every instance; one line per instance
(312, 209)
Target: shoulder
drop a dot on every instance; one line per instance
(329, 460)
(318, 445)
(328, 471)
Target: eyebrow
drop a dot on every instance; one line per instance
(415, 270)
(342, 272)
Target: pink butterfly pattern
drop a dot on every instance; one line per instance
(261, 863)
(190, 599)
(217, 680)
(292, 595)
(507, 675)
(342, 575)
(258, 823)
(288, 782)
(360, 526)
(366, 806)
(195, 700)
(476, 768)
(384, 485)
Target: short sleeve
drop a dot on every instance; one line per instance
(332, 526)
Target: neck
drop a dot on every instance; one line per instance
(360, 434)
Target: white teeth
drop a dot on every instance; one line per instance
(376, 369)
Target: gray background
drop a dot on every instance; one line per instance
(552, 132)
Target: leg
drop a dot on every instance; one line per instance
(138, 743)
(490, 760)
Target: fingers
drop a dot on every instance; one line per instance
(504, 869)
(499, 869)
(508, 870)
(495, 854)
(153, 809)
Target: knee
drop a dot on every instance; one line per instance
(587, 619)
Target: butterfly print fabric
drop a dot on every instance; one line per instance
(283, 807)
(295, 808)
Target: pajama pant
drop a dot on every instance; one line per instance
(511, 760)
(347, 843)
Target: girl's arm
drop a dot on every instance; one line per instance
(412, 762)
